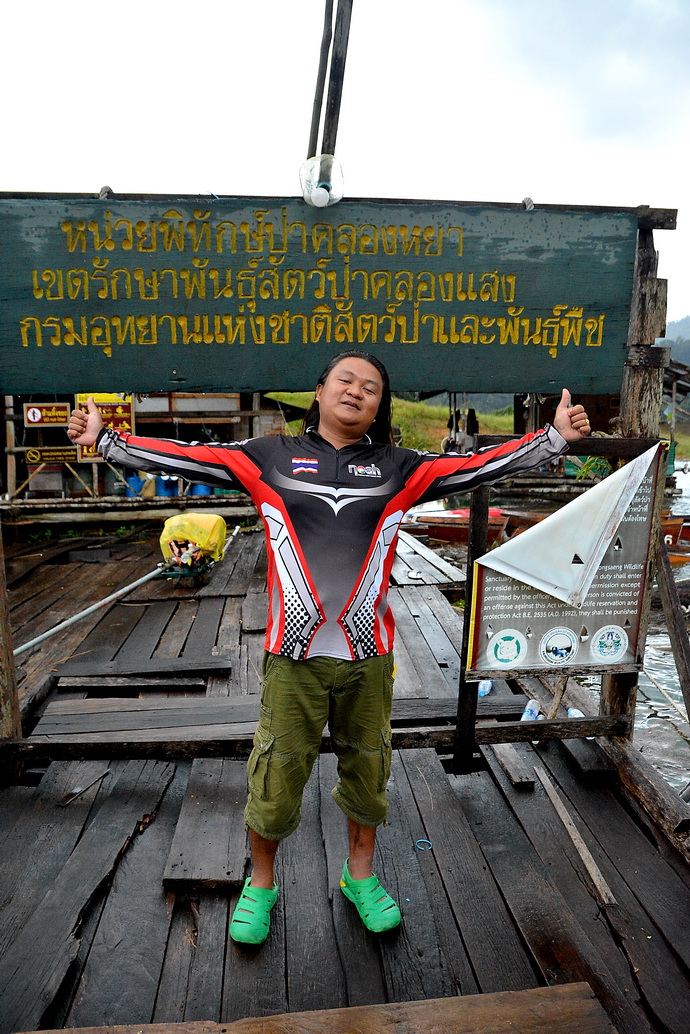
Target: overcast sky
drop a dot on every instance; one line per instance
(581, 102)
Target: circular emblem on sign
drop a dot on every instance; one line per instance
(558, 646)
(33, 415)
(609, 643)
(505, 648)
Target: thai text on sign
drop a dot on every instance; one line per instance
(227, 293)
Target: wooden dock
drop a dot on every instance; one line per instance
(535, 894)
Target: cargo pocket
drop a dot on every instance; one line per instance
(258, 764)
(258, 767)
(386, 758)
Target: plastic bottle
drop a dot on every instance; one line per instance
(574, 712)
(531, 712)
(485, 686)
(321, 179)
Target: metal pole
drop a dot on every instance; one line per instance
(102, 603)
(335, 85)
(321, 78)
(89, 610)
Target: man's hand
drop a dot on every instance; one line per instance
(571, 421)
(84, 427)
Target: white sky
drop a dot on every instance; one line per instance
(567, 101)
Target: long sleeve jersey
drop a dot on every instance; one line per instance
(331, 518)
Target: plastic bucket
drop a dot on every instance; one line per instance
(134, 485)
(166, 485)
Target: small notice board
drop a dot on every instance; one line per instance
(117, 412)
(568, 593)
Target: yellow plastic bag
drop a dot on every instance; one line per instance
(205, 533)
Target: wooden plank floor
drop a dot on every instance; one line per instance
(117, 878)
(568, 1008)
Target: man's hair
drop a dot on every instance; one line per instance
(381, 429)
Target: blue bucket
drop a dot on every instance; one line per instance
(134, 485)
(166, 485)
(201, 490)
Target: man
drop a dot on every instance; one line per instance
(331, 500)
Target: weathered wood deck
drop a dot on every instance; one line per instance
(117, 877)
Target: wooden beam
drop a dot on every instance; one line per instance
(656, 218)
(568, 1008)
(616, 448)
(641, 396)
(145, 666)
(463, 748)
(675, 619)
(10, 720)
(640, 779)
(239, 744)
(643, 386)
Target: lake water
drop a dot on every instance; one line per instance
(661, 726)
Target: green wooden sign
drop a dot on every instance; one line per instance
(259, 293)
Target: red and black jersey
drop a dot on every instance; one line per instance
(331, 518)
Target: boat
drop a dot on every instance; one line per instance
(453, 525)
(450, 525)
(679, 553)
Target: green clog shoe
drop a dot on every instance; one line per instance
(377, 909)
(251, 919)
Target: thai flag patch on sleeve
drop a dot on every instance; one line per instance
(304, 466)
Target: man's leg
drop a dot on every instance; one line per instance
(251, 920)
(377, 909)
(294, 710)
(362, 842)
(263, 859)
(360, 733)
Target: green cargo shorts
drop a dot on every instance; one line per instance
(298, 699)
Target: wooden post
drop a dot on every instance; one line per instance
(10, 719)
(641, 397)
(467, 693)
(10, 442)
(675, 619)
(641, 394)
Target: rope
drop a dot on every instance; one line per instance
(663, 692)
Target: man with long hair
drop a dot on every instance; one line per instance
(331, 500)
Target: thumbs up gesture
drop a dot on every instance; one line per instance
(84, 427)
(571, 421)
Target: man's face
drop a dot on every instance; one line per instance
(350, 396)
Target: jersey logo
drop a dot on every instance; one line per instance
(336, 498)
(371, 471)
(304, 466)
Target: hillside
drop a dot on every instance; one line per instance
(678, 339)
(422, 426)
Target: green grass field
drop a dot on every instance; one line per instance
(682, 443)
(424, 427)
